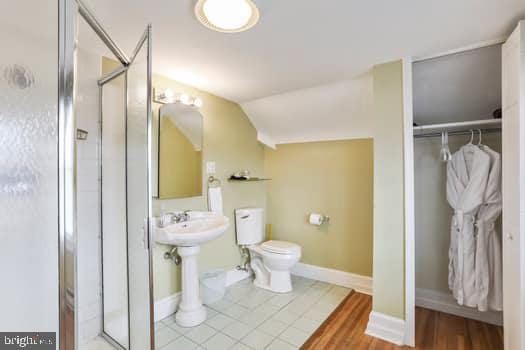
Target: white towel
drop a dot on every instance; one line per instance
(215, 200)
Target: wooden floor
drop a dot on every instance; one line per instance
(345, 329)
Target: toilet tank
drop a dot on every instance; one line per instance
(249, 225)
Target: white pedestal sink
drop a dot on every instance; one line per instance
(200, 227)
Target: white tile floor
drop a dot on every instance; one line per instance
(252, 318)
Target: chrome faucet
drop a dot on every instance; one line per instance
(166, 218)
(171, 217)
(181, 217)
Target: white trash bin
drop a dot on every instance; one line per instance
(212, 285)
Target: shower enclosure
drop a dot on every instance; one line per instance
(75, 223)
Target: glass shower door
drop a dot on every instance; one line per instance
(114, 208)
(138, 140)
(126, 200)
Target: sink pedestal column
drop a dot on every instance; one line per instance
(191, 312)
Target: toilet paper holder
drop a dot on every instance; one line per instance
(318, 219)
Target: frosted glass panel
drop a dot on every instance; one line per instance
(114, 238)
(28, 166)
(89, 280)
(137, 190)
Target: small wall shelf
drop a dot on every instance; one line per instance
(251, 179)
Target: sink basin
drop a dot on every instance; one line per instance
(200, 228)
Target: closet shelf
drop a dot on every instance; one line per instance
(436, 129)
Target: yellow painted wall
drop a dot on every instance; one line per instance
(389, 231)
(176, 149)
(231, 141)
(334, 178)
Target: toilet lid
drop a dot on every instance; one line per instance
(280, 247)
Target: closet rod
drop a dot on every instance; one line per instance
(452, 133)
(433, 129)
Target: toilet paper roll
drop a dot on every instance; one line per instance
(316, 219)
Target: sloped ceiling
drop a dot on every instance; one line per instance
(341, 110)
(301, 43)
(301, 72)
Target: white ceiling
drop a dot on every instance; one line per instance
(340, 110)
(301, 43)
(300, 74)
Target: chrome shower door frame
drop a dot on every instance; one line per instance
(68, 11)
(116, 73)
(67, 186)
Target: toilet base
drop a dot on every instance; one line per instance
(279, 282)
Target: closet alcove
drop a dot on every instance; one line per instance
(454, 93)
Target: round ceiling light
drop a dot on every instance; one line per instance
(227, 16)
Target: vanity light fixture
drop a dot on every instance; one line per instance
(227, 16)
(168, 96)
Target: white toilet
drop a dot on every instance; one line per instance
(271, 261)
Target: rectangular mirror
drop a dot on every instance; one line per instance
(180, 138)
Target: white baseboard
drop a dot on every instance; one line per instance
(446, 303)
(167, 306)
(361, 284)
(386, 327)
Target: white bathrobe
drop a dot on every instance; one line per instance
(489, 283)
(467, 174)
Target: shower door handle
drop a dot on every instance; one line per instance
(145, 234)
(151, 223)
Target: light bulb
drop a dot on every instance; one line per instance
(185, 99)
(227, 14)
(197, 102)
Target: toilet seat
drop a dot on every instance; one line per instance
(281, 247)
